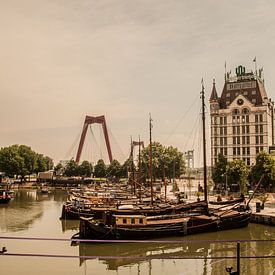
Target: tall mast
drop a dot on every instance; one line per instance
(139, 175)
(150, 156)
(204, 144)
(133, 166)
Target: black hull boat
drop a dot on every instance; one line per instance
(181, 226)
(135, 227)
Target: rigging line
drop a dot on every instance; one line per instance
(180, 120)
(194, 129)
(72, 147)
(95, 141)
(116, 143)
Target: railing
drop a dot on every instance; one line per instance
(237, 257)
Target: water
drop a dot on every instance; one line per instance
(31, 214)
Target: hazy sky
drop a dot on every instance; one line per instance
(63, 59)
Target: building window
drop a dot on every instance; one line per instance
(247, 140)
(238, 151)
(261, 117)
(243, 129)
(124, 220)
(234, 130)
(224, 120)
(234, 140)
(248, 162)
(261, 128)
(234, 151)
(236, 111)
(221, 130)
(257, 150)
(247, 119)
(132, 220)
(225, 130)
(243, 139)
(225, 151)
(256, 139)
(256, 118)
(225, 141)
(221, 141)
(261, 139)
(248, 151)
(256, 129)
(247, 129)
(243, 150)
(238, 130)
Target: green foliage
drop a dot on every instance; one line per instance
(100, 169)
(219, 170)
(237, 173)
(22, 160)
(167, 159)
(85, 169)
(114, 170)
(71, 169)
(265, 165)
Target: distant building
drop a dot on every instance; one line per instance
(242, 118)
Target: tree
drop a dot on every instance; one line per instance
(22, 160)
(71, 169)
(237, 173)
(219, 170)
(265, 165)
(58, 169)
(100, 169)
(10, 161)
(85, 169)
(165, 159)
(114, 170)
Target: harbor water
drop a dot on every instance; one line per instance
(32, 214)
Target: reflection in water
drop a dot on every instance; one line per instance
(202, 250)
(25, 208)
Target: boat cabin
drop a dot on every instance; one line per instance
(130, 220)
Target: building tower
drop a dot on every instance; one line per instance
(242, 118)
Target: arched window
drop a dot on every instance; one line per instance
(245, 111)
(236, 112)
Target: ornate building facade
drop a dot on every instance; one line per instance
(242, 118)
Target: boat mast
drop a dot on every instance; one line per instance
(150, 157)
(139, 174)
(204, 144)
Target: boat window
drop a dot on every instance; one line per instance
(124, 220)
(141, 221)
(132, 220)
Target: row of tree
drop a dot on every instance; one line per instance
(166, 161)
(229, 174)
(21, 160)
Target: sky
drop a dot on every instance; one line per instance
(61, 60)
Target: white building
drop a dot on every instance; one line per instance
(242, 118)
